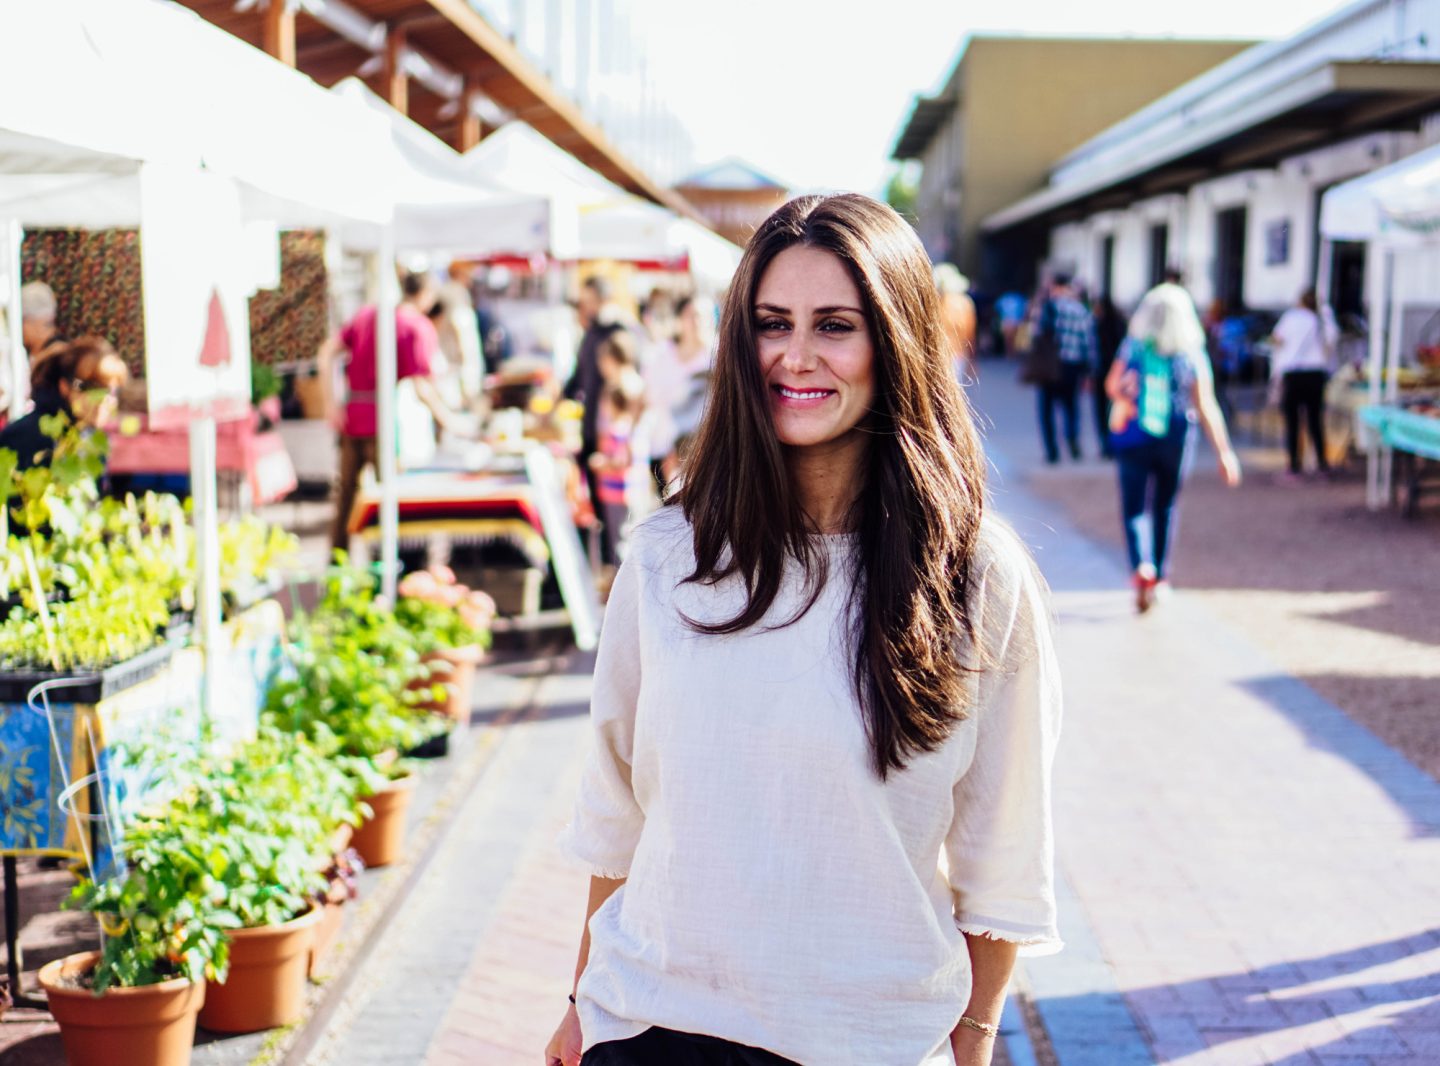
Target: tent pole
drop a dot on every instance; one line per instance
(19, 362)
(386, 431)
(1323, 269)
(207, 555)
(1377, 266)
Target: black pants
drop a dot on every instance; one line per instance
(1304, 390)
(666, 1047)
(1065, 394)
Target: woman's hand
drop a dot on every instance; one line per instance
(971, 1048)
(1230, 468)
(564, 1046)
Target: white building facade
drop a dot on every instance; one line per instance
(1222, 178)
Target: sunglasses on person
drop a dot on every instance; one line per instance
(92, 388)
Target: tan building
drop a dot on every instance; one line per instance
(733, 197)
(1011, 108)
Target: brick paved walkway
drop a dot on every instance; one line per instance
(1247, 876)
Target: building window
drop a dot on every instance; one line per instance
(1159, 252)
(1277, 243)
(1107, 266)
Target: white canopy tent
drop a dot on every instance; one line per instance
(593, 218)
(1396, 211)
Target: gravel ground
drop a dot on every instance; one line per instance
(1346, 600)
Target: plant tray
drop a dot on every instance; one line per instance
(91, 686)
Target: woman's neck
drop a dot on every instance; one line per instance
(827, 479)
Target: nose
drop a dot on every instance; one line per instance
(800, 357)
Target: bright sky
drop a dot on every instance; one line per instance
(814, 91)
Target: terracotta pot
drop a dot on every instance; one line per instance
(153, 1025)
(266, 984)
(380, 839)
(332, 917)
(454, 670)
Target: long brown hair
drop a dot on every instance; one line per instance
(917, 514)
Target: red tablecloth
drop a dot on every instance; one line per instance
(240, 448)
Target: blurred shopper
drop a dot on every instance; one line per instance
(599, 319)
(1160, 384)
(957, 312)
(675, 385)
(821, 670)
(1301, 345)
(461, 380)
(80, 380)
(37, 320)
(1010, 308)
(1110, 326)
(1066, 324)
(416, 350)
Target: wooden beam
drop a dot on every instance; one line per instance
(397, 85)
(279, 32)
(470, 128)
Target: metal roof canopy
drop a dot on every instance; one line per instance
(925, 120)
(451, 33)
(1331, 102)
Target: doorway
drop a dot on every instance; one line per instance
(1229, 279)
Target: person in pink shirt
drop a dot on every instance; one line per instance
(416, 345)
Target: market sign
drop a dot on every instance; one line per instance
(196, 257)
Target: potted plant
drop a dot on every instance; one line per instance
(135, 1002)
(268, 809)
(350, 691)
(342, 885)
(451, 625)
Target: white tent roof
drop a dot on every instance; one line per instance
(607, 221)
(1399, 203)
(440, 203)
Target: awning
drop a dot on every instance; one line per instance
(1328, 103)
(930, 113)
(1399, 203)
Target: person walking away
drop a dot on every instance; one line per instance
(1069, 326)
(1159, 385)
(416, 347)
(823, 668)
(599, 319)
(1110, 326)
(1299, 370)
(80, 380)
(957, 311)
(675, 384)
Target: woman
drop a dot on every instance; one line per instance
(1159, 385)
(675, 381)
(1300, 366)
(822, 671)
(80, 380)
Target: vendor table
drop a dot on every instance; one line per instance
(525, 499)
(1415, 440)
(256, 463)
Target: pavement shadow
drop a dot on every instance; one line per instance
(1194, 1018)
(1330, 730)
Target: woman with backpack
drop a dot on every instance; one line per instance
(1160, 384)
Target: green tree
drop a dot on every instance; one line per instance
(902, 191)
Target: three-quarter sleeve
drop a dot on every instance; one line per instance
(607, 821)
(1000, 848)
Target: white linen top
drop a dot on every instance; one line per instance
(778, 893)
(1302, 341)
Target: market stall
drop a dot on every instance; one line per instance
(1396, 210)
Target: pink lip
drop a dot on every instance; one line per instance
(798, 404)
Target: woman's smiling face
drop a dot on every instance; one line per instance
(816, 353)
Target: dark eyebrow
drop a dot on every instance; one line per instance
(777, 309)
